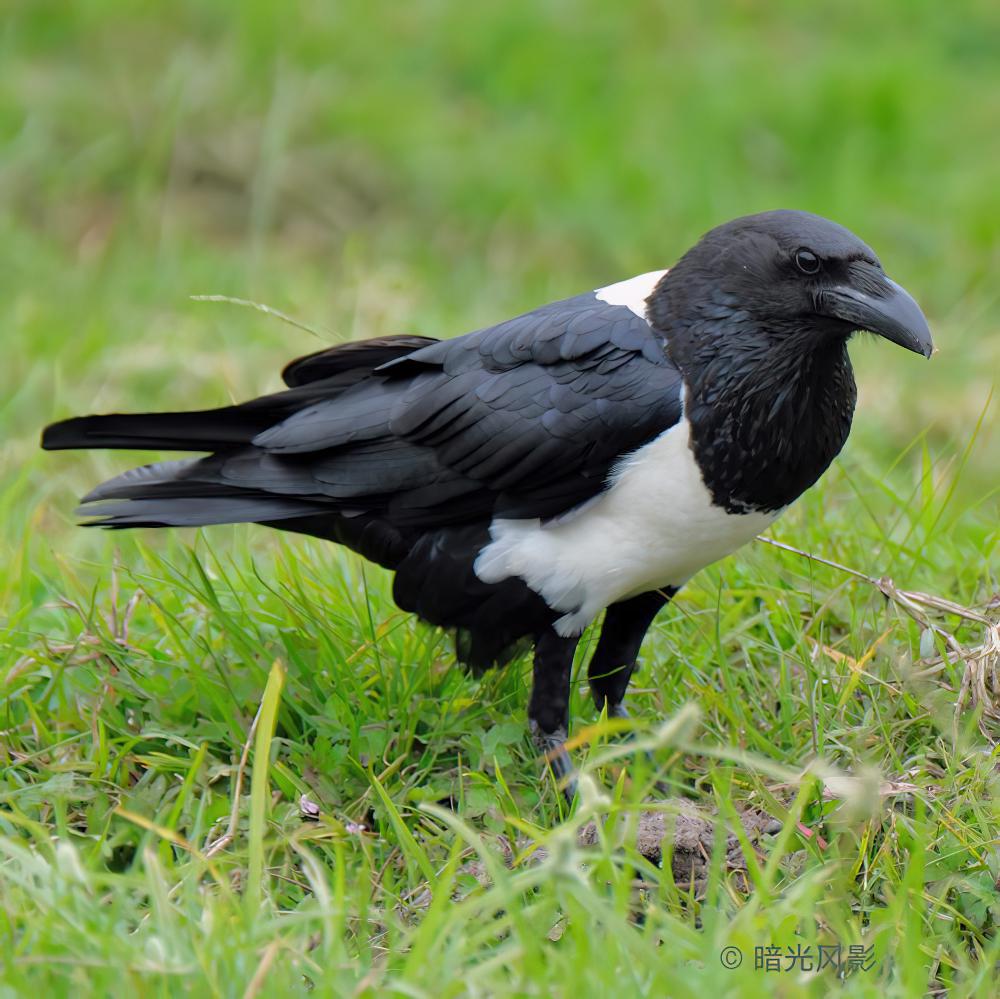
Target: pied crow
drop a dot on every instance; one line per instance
(588, 456)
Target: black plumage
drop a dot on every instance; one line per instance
(455, 462)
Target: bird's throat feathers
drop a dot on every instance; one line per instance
(769, 411)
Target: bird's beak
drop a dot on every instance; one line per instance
(883, 307)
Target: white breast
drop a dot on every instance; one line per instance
(654, 526)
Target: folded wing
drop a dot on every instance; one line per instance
(524, 419)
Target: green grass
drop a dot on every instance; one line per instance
(374, 168)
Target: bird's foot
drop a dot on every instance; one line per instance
(552, 746)
(619, 711)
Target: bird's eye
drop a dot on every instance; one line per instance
(807, 261)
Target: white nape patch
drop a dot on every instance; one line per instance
(654, 526)
(631, 293)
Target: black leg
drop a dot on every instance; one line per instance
(548, 709)
(625, 626)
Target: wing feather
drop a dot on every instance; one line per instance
(524, 419)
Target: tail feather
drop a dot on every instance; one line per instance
(323, 375)
(204, 430)
(137, 482)
(195, 511)
(195, 492)
(171, 494)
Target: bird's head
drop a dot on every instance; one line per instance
(786, 275)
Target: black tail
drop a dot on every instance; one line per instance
(196, 492)
(184, 494)
(207, 430)
(179, 493)
(322, 375)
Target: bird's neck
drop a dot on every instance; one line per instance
(768, 414)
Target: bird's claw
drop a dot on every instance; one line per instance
(552, 747)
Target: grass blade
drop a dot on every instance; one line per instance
(259, 783)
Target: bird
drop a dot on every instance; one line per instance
(586, 457)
